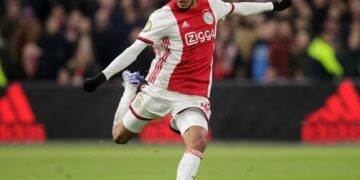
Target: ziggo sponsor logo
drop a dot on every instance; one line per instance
(193, 37)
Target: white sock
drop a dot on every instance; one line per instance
(124, 103)
(189, 165)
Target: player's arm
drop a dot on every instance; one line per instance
(250, 8)
(155, 28)
(222, 9)
(118, 64)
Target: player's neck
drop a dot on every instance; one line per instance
(192, 6)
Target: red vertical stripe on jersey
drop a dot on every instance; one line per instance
(192, 74)
(159, 64)
(162, 60)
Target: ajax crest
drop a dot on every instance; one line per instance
(208, 18)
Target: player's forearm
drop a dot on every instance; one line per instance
(250, 8)
(124, 59)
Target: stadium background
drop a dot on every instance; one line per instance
(281, 109)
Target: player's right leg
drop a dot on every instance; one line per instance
(193, 127)
(122, 135)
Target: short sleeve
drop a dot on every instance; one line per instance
(220, 8)
(155, 28)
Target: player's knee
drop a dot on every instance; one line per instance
(199, 143)
(202, 141)
(121, 135)
(120, 139)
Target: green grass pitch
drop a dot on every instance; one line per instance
(223, 161)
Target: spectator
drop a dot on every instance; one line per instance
(29, 29)
(67, 44)
(130, 18)
(56, 50)
(85, 39)
(325, 64)
(261, 70)
(126, 4)
(28, 32)
(245, 38)
(130, 21)
(146, 7)
(2, 45)
(10, 24)
(226, 53)
(58, 12)
(320, 11)
(80, 65)
(351, 57)
(30, 60)
(102, 36)
(71, 31)
(3, 79)
(77, 67)
(299, 66)
(64, 77)
(303, 15)
(280, 48)
(108, 6)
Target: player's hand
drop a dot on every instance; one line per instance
(280, 5)
(91, 84)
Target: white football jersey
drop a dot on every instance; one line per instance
(184, 45)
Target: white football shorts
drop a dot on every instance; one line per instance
(155, 103)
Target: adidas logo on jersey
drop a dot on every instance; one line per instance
(185, 25)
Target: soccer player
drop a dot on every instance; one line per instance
(182, 34)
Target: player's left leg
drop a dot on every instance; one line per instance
(194, 129)
(144, 107)
(121, 135)
(127, 128)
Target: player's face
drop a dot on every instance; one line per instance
(185, 4)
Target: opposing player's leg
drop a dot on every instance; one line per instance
(131, 82)
(194, 129)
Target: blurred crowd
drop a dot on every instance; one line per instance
(69, 40)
